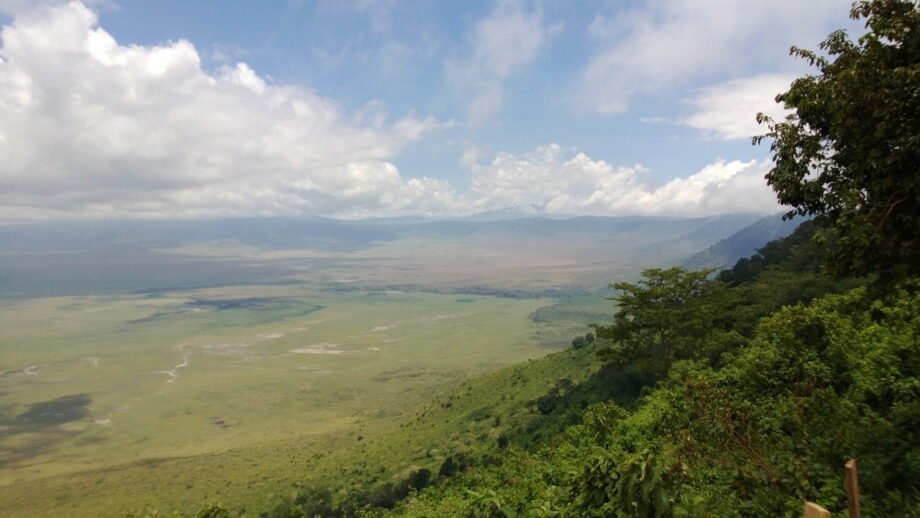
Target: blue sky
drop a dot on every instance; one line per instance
(353, 109)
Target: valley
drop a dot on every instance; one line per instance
(312, 353)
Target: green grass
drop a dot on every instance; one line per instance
(200, 395)
(463, 421)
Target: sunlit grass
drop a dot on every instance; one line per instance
(234, 393)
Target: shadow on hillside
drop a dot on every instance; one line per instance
(565, 402)
(38, 429)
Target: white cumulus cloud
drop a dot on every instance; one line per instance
(578, 184)
(92, 126)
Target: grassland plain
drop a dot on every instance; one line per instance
(234, 394)
(145, 370)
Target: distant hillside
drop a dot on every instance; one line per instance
(743, 243)
(513, 212)
(94, 257)
(330, 234)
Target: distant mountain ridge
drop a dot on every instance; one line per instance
(743, 243)
(325, 233)
(512, 212)
(499, 255)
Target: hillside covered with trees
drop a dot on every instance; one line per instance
(733, 393)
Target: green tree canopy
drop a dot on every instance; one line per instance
(671, 314)
(850, 152)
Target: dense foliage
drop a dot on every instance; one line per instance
(817, 384)
(850, 151)
(670, 315)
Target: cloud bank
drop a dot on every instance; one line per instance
(90, 127)
(580, 185)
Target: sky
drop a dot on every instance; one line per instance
(352, 109)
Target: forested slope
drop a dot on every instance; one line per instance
(741, 244)
(737, 394)
(744, 421)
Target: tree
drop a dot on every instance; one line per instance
(448, 468)
(671, 314)
(582, 341)
(850, 152)
(419, 480)
(212, 511)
